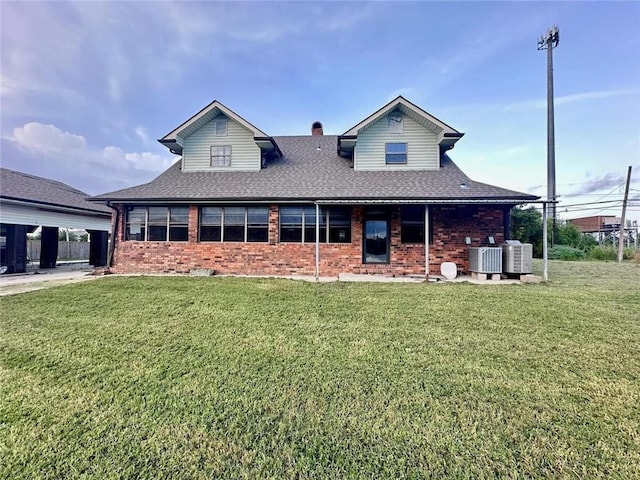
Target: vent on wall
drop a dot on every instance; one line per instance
(485, 259)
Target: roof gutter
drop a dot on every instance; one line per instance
(173, 146)
(336, 201)
(497, 201)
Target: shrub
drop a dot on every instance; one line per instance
(565, 252)
(610, 253)
(603, 253)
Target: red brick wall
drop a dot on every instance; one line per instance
(450, 225)
(594, 223)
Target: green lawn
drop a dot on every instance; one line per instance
(159, 377)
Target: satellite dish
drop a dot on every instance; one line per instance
(449, 270)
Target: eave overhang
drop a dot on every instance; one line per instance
(346, 144)
(54, 207)
(268, 145)
(174, 140)
(447, 136)
(173, 146)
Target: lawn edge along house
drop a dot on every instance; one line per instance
(382, 198)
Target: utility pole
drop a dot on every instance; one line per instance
(624, 213)
(548, 42)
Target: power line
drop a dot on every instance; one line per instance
(599, 207)
(590, 195)
(589, 203)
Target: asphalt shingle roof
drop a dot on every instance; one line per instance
(305, 172)
(29, 188)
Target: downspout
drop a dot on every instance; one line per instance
(317, 242)
(426, 242)
(114, 230)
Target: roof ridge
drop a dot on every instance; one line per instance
(304, 136)
(58, 183)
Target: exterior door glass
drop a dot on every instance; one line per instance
(376, 245)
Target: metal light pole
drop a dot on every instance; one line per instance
(548, 42)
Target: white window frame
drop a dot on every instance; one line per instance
(146, 225)
(219, 159)
(390, 155)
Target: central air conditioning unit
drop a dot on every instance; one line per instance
(485, 259)
(517, 257)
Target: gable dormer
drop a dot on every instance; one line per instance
(218, 139)
(399, 136)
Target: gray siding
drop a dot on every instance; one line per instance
(422, 147)
(196, 152)
(24, 215)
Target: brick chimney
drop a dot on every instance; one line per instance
(316, 129)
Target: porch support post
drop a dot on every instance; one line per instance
(426, 242)
(317, 242)
(48, 247)
(98, 245)
(16, 248)
(545, 273)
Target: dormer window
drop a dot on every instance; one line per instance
(395, 153)
(220, 155)
(220, 127)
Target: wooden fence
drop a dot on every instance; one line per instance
(66, 250)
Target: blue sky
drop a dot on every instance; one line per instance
(87, 88)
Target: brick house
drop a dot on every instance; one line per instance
(384, 198)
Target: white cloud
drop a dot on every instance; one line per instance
(141, 161)
(33, 35)
(99, 170)
(123, 46)
(579, 97)
(569, 99)
(47, 138)
(141, 132)
(115, 90)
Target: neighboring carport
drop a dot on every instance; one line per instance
(28, 202)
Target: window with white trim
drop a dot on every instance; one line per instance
(157, 224)
(220, 155)
(234, 224)
(395, 153)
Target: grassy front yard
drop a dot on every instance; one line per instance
(249, 378)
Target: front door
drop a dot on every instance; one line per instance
(376, 241)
